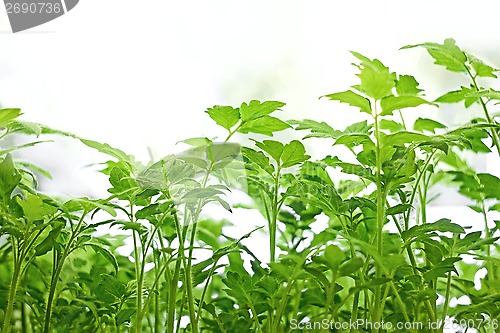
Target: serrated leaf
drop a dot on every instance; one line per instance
(256, 109)
(318, 275)
(352, 99)
(7, 115)
(107, 254)
(352, 140)
(273, 148)
(490, 94)
(225, 116)
(376, 79)
(259, 159)
(9, 178)
(447, 54)
(266, 125)
(402, 138)
(391, 103)
(124, 316)
(390, 125)
(35, 208)
(293, 153)
(349, 168)
(442, 225)
(350, 266)
(398, 209)
(113, 152)
(318, 129)
(425, 124)
(481, 68)
(464, 94)
(197, 142)
(406, 85)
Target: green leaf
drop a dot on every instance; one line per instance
(464, 94)
(490, 94)
(89, 205)
(352, 99)
(403, 137)
(349, 168)
(7, 115)
(45, 246)
(376, 80)
(34, 208)
(359, 127)
(406, 85)
(332, 257)
(225, 116)
(318, 130)
(425, 124)
(318, 275)
(490, 185)
(266, 125)
(259, 159)
(293, 154)
(113, 152)
(106, 254)
(9, 178)
(350, 266)
(442, 225)
(124, 316)
(256, 109)
(392, 103)
(447, 54)
(481, 68)
(390, 125)
(398, 209)
(351, 140)
(273, 148)
(197, 142)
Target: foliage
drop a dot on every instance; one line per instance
(378, 258)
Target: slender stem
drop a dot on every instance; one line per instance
(491, 271)
(205, 288)
(274, 217)
(12, 296)
(417, 181)
(172, 294)
(58, 263)
(448, 287)
(138, 280)
(494, 134)
(381, 193)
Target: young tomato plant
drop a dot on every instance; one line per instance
(351, 242)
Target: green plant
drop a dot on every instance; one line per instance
(351, 244)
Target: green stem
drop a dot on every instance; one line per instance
(274, 217)
(138, 280)
(417, 181)
(59, 263)
(12, 296)
(381, 193)
(205, 288)
(172, 294)
(491, 271)
(494, 134)
(53, 284)
(448, 287)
